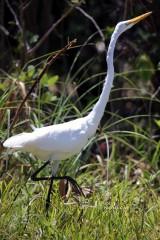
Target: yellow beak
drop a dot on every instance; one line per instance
(139, 18)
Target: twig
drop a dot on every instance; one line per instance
(15, 16)
(19, 24)
(50, 61)
(4, 30)
(54, 25)
(93, 21)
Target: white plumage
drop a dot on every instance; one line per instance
(61, 141)
(47, 142)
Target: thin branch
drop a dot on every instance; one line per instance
(15, 16)
(18, 24)
(26, 44)
(93, 21)
(4, 30)
(50, 61)
(54, 25)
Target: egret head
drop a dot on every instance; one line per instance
(125, 25)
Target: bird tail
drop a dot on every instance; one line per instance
(18, 141)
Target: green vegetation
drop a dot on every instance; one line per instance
(124, 211)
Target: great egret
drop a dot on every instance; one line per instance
(61, 141)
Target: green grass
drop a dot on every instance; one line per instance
(122, 211)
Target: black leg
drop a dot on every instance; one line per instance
(73, 182)
(35, 178)
(49, 195)
(34, 175)
(52, 178)
(69, 179)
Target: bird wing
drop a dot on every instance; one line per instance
(61, 137)
(60, 140)
(18, 141)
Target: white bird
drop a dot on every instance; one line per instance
(61, 141)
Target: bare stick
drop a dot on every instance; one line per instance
(15, 16)
(19, 24)
(51, 60)
(54, 25)
(93, 21)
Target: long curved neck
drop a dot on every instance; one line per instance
(97, 112)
